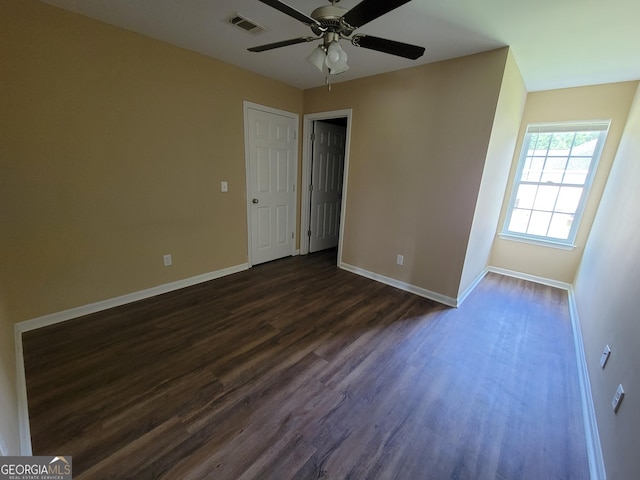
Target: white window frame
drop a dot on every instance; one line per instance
(601, 126)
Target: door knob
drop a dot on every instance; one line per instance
(255, 200)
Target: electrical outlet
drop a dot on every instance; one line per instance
(617, 398)
(224, 186)
(167, 260)
(400, 259)
(605, 356)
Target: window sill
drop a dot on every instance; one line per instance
(535, 241)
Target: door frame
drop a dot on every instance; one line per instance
(307, 153)
(247, 160)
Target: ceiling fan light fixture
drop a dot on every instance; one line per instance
(336, 58)
(317, 58)
(338, 69)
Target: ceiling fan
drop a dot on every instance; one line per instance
(331, 24)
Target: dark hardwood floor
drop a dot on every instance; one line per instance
(298, 370)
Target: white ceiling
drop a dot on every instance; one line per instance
(556, 43)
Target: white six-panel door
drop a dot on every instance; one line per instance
(271, 167)
(326, 180)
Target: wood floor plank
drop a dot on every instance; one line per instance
(298, 370)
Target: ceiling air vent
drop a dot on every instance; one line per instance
(245, 24)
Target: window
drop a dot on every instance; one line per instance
(552, 181)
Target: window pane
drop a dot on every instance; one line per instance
(533, 139)
(585, 143)
(560, 226)
(532, 169)
(519, 220)
(577, 170)
(539, 223)
(561, 142)
(542, 142)
(526, 168)
(526, 195)
(568, 199)
(554, 169)
(546, 198)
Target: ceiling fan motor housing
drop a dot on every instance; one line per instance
(330, 17)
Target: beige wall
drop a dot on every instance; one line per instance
(504, 133)
(112, 149)
(610, 101)
(418, 145)
(606, 292)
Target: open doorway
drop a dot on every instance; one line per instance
(324, 179)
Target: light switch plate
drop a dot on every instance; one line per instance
(617, 398)
(224, 186)
(605, 356)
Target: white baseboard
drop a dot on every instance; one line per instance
(407, 287)
(470, 288)
(531, 278)
(51, 319)
(23, 405)
(65, 315)
(594, 449)
(4, 452)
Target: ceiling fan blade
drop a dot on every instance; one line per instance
(388, 46)
(283, 43)
(369, 10)
(292, 12)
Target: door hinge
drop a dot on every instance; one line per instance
(292, 235)
(308, 233)
(311, 188)
(313, 137)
